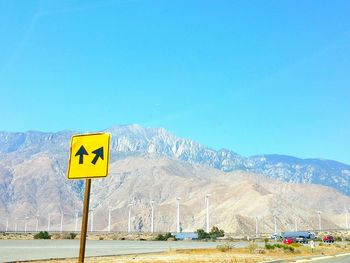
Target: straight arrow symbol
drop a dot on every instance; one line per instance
(98, 154)
(81, 152)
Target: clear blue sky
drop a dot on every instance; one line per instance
(251, 76)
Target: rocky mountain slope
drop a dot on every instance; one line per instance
(134, 139)
(154, 164)
(237, 199)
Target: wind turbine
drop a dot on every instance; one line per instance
(207, 212)
(178, 230)
(37, 223)
(256, 226)
(61, 228)
(152, 216)
(48, 222)
(296, 223)
(319, 220)
(275, 223)
(109, 218)
(7, 224)
(92, 220)
(346, 219)
(129, 220)
(25, 224)
(76, 221)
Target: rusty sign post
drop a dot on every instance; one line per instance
(89, 158)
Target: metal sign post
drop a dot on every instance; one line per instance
(84, 222)
(89, 158)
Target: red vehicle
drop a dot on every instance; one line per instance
(288, 240)
(328, 239)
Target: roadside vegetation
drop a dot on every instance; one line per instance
(166, 237)
(214, 233)
(42, 235)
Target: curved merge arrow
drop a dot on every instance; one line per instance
(81, 152)
(99, 154)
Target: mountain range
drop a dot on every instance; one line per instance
(152, 163)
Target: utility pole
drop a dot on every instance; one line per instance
(178, 230)
(256, 226)
(152, 216)
(207, 212)
(7, 225)
(129, 221)
(109, 219)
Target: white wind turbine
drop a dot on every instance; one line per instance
(129, 220)
(152, 216)
(178, 230)
(207, 212)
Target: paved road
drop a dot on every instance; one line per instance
(343, 259)
(12, 250)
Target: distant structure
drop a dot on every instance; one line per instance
(178, 228)
(61, 228)
(319, 220)
(152, 216)
(109, 219)
(207, 212)
(129, 220)
(295, 223)
(76, 221)
(346, 219)
(37, 223)
(91, 220)
(48, 222)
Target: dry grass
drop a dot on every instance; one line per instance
(232, 255)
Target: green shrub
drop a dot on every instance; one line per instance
(215, 232)
(202, 234)
(252, 247)
(72, 235)
(281, 246)
(296, 245)
(223, 247)
(269, 246)
(165, 237)
(42, 235)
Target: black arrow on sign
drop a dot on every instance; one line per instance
(99, 154)
(81, 152)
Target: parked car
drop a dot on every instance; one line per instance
(288, 240)
(276, 236)
(302, 240)
(328, 239)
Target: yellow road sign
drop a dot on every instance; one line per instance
(89, 156)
